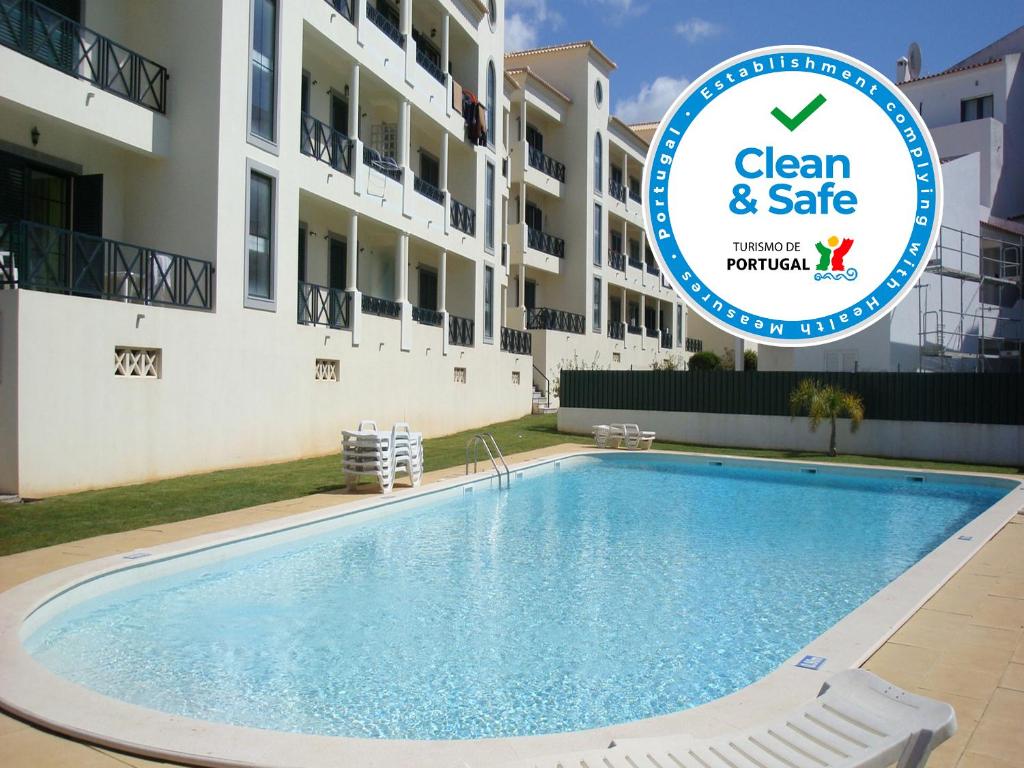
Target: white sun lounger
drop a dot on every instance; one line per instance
(605, 438)
(858, 721)
(632, 437)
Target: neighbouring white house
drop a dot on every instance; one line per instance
(231, 228)
(966, 312)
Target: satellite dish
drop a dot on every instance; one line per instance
(914, 61)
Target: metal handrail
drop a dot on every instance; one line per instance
(481, 438)
(547, 385)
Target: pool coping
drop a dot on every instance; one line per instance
(33, 693)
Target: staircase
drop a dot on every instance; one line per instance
(540, 402)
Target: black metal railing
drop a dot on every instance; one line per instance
(461, 330)
(542, 241)
(653, 268)
(55, 40)
(322, 142)
(380, 21)
(374, 305)
(428, 64)
(617, 260)
(634, 329)
(344, 7)
(617, 190)
(546, 319)
(694, 345)
(636, 262)
(652, 333)
(634, 195)
(428, 190)
(616, 329)
(427, 316)
(516, 342)
(666, 339)
(463, 217)
(386, 166)
(320, 305)
(546, 165)
(43, 258)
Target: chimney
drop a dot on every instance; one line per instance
(902, 69)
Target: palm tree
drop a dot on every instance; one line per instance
(824, 401)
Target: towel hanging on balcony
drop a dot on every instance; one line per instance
(474, 114)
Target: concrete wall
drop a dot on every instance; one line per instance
(929, 441)
(8, 391)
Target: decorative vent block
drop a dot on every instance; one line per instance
(135, 363)
(460, 375)
(616, 357)
(515, 378)
(326, 370)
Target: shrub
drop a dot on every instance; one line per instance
(705, 361)
(824, 401)
(749, 360)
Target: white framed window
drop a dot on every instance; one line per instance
(491, 104)
(489, 179)
(263, 74)
(261, 237)
(598, 162)
(598, 231)
(488, 304)
(597, 305)
(977, 108)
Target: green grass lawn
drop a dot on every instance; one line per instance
(91, 513)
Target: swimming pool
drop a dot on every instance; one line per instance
(600, 589)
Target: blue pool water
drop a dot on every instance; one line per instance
(611, 589)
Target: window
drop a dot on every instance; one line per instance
(262, 61)
(598, 162)
(488, 303)
(492, 115)
(303, 237)
(975, 109)
(430, 169)
(534, 217)
(492, 13)
(679, 325)
(260, 257)
(489, 207)
(597, 305)
(534, 138)
(598, 227)
(598, 92)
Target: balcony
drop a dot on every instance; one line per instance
(652, 333)
(463, 218)
(428, 190)
(634, 195)
(380, 21)
(55, 40)
(427, 316)
(546, 165)
(634, 329)
(431, 68)
(322, 142)
(653, 269)
(545, 319)
(666, 339)
(617, 190)
(383, 165)
(694, 345)
(61, 261)
(634, 261)
(374, 305)
(344, 7)
(460, 331)
(516, 342)
(616, 330)
(542, 241)
(617, 260)
(320, 305)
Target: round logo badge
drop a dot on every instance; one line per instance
(793, 195)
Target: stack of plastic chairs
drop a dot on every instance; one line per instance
(369, 452)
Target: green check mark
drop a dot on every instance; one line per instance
(792, 123)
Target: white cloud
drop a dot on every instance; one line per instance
(520, 34)
(653, 100)
(697, 29)
(523, 21)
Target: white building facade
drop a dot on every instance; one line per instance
(231, 228)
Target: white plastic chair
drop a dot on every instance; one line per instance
(858, 720)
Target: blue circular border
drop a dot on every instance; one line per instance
(832, 327)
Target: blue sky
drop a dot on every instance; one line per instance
(660, 45)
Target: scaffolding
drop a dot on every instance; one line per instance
(970, 318)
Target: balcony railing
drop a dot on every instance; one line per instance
(617, 190)
(320, 305)
(463, 217)
(636, 262)
(616, 329)
(380, 21)
(374, 305)
(344, 7)
(460, 331)
(386, 166)
(55, 40)
(516, 342)
(634, 329)
(427, 316)
(322, 142)
(652, 333)
(694, 345)
(43, 258)
(653, 268)
(428, 190)
(634, 195)
(666, 339)
(545, 319)
(428, 64)
(542, 241)
(546, 165)
(617, 260)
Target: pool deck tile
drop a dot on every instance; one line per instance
(965, 646)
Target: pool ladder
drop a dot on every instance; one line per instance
(486, 439)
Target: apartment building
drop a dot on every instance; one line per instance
(966, 313)
(231, 228)
(583, 281)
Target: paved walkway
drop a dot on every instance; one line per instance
(965, 646)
